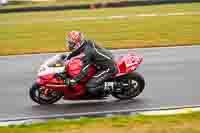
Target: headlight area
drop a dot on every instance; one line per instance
(41, 69)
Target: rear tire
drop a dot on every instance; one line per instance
(136, 84)
(34, 94)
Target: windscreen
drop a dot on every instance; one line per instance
(55, 61)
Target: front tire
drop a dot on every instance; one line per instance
(135, 84)
(36, 95)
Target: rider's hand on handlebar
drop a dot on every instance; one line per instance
(60, 75)
(70, 82)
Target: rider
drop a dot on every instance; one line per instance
(93, 54)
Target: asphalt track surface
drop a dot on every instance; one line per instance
(171, 74)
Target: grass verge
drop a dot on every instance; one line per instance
(182, 123)
(25, 33)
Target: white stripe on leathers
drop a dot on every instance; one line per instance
(86, 67)
(96, 76)
(100, 53)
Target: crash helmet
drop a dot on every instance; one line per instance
(74, 39)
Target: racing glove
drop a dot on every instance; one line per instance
(70, 82)
(60, 75)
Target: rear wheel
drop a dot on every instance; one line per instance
(36, 93)
(129, 86)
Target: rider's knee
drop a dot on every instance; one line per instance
(91, 88)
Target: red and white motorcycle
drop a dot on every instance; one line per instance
(50, 88)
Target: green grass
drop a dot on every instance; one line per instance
(40, 32)
(182, 123)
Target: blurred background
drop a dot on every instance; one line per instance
(39, 26)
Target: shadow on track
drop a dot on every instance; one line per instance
(88, 106)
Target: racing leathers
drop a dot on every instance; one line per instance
(100, 57)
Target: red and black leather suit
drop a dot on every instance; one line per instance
(102, 58)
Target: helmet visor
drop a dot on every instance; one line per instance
(71, 45)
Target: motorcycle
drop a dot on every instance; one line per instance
(50, 88)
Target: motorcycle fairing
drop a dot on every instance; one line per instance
(46, 75)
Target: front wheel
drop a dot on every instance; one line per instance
(36, 93)
(129, 86)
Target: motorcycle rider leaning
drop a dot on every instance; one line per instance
(93, 54)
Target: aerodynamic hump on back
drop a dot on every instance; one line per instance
(129, 63)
